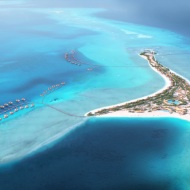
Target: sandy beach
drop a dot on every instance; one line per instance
(153, 114)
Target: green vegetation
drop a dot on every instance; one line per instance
(179, 91)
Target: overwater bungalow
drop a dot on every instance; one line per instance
(10, 103)
(11, 113)
(23, 99)
(0, 119)
(6, 116)
(32, 105)
(16, 109)
(66, 55)
(21, 108)
(2, 107)
(26, 106)
(6, 104)
(17, 100)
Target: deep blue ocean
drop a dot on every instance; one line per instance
(108, 154)
(52, 146)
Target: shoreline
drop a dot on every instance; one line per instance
(155, 114)
(167, 84)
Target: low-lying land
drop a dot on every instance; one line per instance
(174, 99)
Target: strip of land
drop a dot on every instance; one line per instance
(171, 101)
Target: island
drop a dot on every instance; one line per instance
(172, 100)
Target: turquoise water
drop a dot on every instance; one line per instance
(32, 59)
